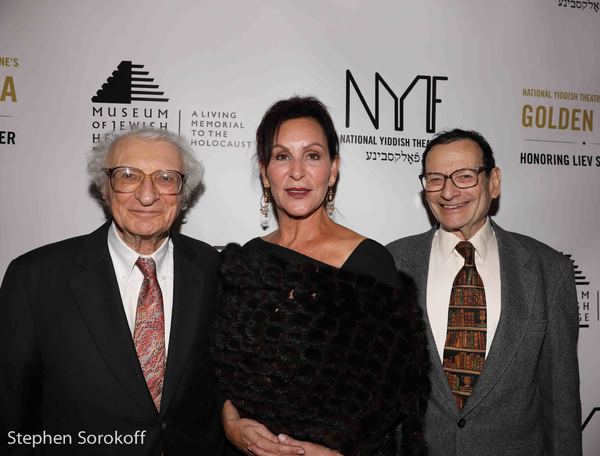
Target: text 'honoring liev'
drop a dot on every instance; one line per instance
(585, 161)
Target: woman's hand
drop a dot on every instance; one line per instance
(253, 438)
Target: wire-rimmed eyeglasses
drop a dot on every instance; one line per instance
(126, 179)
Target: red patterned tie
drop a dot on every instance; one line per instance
(149, 332)
(464, 350)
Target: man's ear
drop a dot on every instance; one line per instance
(103, 194)
(495, 180)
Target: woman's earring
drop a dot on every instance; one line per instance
(330, 200)
(265, 202)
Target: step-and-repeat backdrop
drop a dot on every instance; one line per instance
(525, 74)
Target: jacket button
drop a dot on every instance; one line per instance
(163, 425)
(461, 423)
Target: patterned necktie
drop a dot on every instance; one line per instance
(149, 332)
(464, 351)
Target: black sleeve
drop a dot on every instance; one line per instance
(372, 258)
(21, 367)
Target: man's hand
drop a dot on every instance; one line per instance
(253, 438)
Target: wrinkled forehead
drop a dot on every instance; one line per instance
(146, 154)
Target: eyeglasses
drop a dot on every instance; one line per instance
(461, 178)
(125, 179)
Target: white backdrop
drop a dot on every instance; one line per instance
(525, 74)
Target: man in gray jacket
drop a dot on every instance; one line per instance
(502, 316)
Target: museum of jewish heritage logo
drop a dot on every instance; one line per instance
(587, 297)
(129, 99)
(129, 82)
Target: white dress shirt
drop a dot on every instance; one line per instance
(130, 278)
(444, 264)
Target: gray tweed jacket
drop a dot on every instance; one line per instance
(526, 401)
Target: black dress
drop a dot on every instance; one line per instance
(333, 356)
(369, 257)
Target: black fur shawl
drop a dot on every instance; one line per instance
(320, 353)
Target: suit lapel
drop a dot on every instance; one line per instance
(418, 259)
(515, 276)
(96, 292)
(188, 309)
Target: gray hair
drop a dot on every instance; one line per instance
(192, 168)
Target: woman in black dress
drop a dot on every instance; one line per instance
(317, 336)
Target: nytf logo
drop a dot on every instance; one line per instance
(423, 87)
(587, 297)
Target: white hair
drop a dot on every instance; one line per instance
(192, 168)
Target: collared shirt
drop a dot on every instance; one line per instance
(130, 278)
(444, 264)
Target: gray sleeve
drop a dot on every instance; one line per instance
(558, 371)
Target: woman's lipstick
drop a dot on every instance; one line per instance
(297, 192)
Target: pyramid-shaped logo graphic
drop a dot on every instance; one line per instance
(580, 278)
(129, 82)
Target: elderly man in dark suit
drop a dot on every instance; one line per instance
(103, 337)
(502, 317)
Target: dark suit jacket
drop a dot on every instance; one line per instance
(526, 401)
(68, 363)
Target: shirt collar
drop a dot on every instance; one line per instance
(481, 239)
(124, 257)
